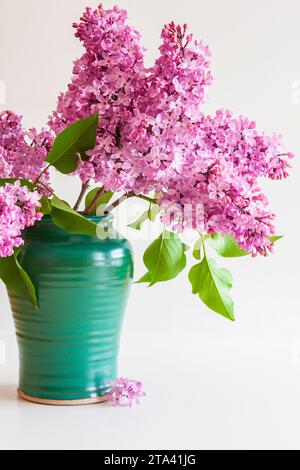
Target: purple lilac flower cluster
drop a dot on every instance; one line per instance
(126, 392)
(18, 210)
(219, 172)
(153, 135)
(21, 157)
(22, 152)
(110, 78)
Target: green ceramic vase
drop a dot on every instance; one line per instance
(69, 348)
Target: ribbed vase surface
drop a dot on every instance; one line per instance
(69, 348)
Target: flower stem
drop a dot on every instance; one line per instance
(93, 204)
(84, 189)
(145, 198)
(119, 201)
(129, 196)
(47, 188)
(41, 174)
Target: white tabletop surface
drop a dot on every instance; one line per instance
(232, 394)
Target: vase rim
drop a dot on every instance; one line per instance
(95, 218)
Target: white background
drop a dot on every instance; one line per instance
(210, 384)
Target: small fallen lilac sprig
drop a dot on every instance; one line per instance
(126, 392)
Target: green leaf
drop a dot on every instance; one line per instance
(213, 286)
(16, 279)
(28, 283)
(276, 238)
(226, 246)
(150, 278)
(45, 206)
(197, 249)
(138, 224)
(146, 279)
(69, 220)
(73, 141)
(23, 182)
(103, 201)
(164, 259)
(151, 214)
(185, 247)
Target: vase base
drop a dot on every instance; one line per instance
(45, 401)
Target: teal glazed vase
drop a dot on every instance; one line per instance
(69, 349)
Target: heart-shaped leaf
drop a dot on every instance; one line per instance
(165, 259)
(226, 246)
(75, 140)
(213, 286)
(16, 279)
(71, 221)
